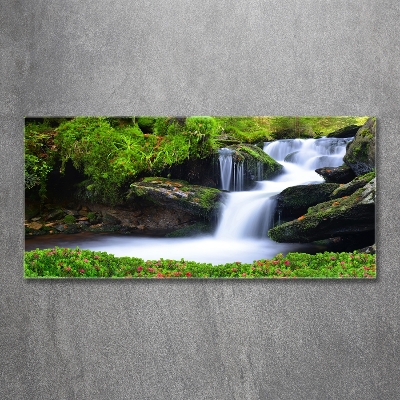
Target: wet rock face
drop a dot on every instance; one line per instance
(342, 174)
(360, 153)
(346, 132)
(150, 219)
(295, 200)
(343, 216)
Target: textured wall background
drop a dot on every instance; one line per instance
(199, 339)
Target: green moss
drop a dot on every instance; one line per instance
(69, 219)
(367, 177)
(251, 155)
(91, 216)
(208, 197)
(349, 188)
(360, 153)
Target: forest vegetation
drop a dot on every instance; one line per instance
(110, 153)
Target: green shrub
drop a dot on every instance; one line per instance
(69, 219)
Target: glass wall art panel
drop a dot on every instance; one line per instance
(195, 197)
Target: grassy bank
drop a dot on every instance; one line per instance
(77, 263)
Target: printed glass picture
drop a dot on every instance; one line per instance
(200, 197)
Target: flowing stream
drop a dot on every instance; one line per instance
(245, 217)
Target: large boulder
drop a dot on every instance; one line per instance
(342, 174)
(360, 153)
(295, 200)
(346, 132)
(346, 216)
(179, 195)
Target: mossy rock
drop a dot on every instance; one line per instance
(252, 155)
(348, 215)
(360, 153)
(349, 188)
(295, 200)
(55, 215)
(180, 195)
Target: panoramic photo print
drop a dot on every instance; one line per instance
(200, 197)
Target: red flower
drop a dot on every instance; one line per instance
(85, 260)
(286, 262)
(188, 274)
(82, 271)
(139, 268)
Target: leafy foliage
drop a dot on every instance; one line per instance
(111, 156)
(40, 152)
(64, 262)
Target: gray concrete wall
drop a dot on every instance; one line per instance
(199, 339)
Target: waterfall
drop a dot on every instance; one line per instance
(225, 165)
(247, 215)
(310, 153)
(230, 170)
(250, 214)
(260, 169)
(238, 177)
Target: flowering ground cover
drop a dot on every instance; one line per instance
(77, 263)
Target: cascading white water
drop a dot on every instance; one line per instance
(259, 171)
(247, 215)
(309, 153)
(238, 177)
(225, 165)
(232, 173)
(250, 214)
